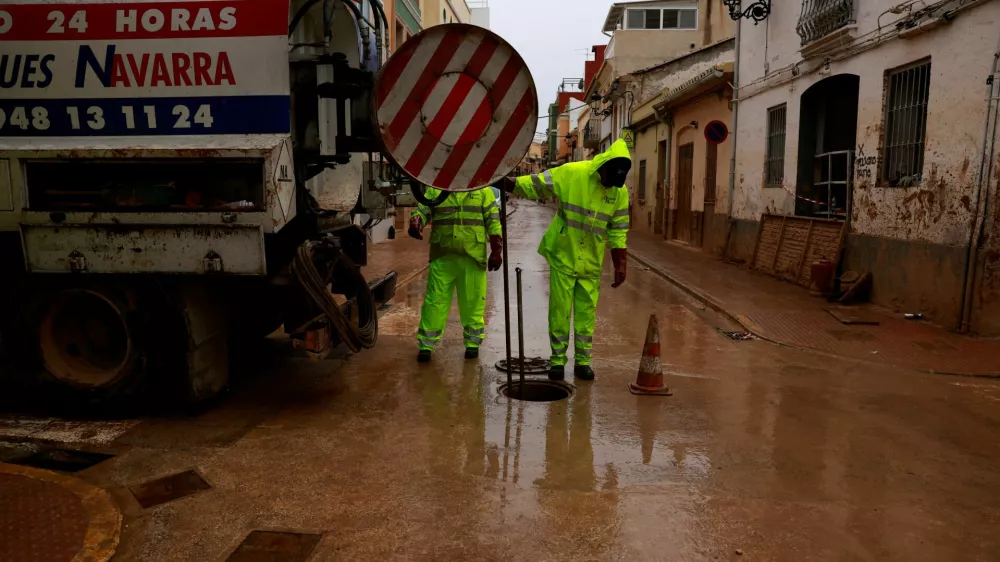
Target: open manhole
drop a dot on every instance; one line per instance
(537, 391)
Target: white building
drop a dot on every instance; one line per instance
(879, 114)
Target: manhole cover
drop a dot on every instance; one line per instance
(267, 545)
(39, 520)
(537, 391)
(168, 488)
(532, 365)
(62, 460)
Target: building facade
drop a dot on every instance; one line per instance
(437, 12)
(645, 34)
(882, 115)
(405, 18)
(680, 161)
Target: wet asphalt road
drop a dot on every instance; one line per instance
(763, 453)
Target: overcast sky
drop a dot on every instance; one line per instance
(553, 36)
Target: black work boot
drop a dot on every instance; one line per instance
(424, 356)
(583, 372)
(471, 352)
(557, 372)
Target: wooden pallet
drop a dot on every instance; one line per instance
(787, 246)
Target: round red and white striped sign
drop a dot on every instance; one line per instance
(456, 107)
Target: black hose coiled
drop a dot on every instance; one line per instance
(365, 334)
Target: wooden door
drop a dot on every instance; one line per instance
(685, 175)
(661, 175)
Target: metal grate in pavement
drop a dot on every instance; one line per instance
(272, 546)
(169, 488)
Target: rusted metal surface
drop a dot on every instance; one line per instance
(268, 545)
(169, 488)
(145, 249)
(455, 107)
(50, 517)
(39, 521)
(275, 150)
(532, 365)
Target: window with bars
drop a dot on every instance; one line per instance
(641, 188)
(907, 91)
(775, 156)
(711, 170)
(657, 18)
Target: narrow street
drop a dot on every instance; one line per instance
(762, 453)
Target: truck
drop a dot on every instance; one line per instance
(178, 179)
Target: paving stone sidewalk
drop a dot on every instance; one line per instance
(786, 314)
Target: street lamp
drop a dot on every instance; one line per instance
(756, 11)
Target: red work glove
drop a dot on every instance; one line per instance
(415, 227)
(620, 258)
(496, 253)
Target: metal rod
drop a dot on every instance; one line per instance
(520, 332)
(506, 287)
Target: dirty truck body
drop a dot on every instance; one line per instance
(176, 179)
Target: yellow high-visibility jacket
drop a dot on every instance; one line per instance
(462, 223)
(590, 216)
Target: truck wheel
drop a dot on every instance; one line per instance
(93, 343)
(105, 344)
(202, 342)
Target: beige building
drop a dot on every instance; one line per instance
(645, 34)
(680, 164)
(436, 12)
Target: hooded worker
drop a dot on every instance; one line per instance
(593, 213)
(460, 228)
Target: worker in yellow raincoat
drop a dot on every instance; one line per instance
(461, 226)
(593, 213)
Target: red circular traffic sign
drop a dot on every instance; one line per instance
(456, 107)
(716, 132)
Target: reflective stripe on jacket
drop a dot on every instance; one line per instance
(589, 218)
(462, 223)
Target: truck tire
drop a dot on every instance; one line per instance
(92, 345)
(203, 342)
(105, 344)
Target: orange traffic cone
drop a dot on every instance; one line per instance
(650, 377)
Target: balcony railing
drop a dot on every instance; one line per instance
(822, 17)
(591, 136)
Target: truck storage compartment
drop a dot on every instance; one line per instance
(137, 185)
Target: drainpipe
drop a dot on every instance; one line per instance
(736, 122)
(982, 189)
(667, 183)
